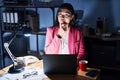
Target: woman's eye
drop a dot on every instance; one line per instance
(65, 15)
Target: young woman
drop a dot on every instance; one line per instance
(64, 37)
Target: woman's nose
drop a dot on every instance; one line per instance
(63, 16)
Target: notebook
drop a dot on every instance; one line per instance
(59, 64)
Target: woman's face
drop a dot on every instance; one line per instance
(64, 16)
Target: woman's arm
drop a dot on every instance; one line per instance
(81, 46)
(52, 42)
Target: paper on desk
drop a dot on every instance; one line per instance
(19, 76)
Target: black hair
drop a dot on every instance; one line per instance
(69, 7)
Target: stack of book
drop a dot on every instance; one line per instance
(10, 20)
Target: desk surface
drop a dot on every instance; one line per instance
(80, 75)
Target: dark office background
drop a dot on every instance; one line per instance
(92, 9)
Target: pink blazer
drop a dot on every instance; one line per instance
(75, 42)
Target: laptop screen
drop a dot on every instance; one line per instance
(59, 64)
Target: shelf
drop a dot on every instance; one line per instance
(111, 38)
(28, 6)
(34, 4)
(41, 33)
(11, 30)
(14, 7)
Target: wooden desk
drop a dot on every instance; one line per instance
(80, 76)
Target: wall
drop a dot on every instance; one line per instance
(92, 9)
(99, 8)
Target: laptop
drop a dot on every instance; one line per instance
(59, 64)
